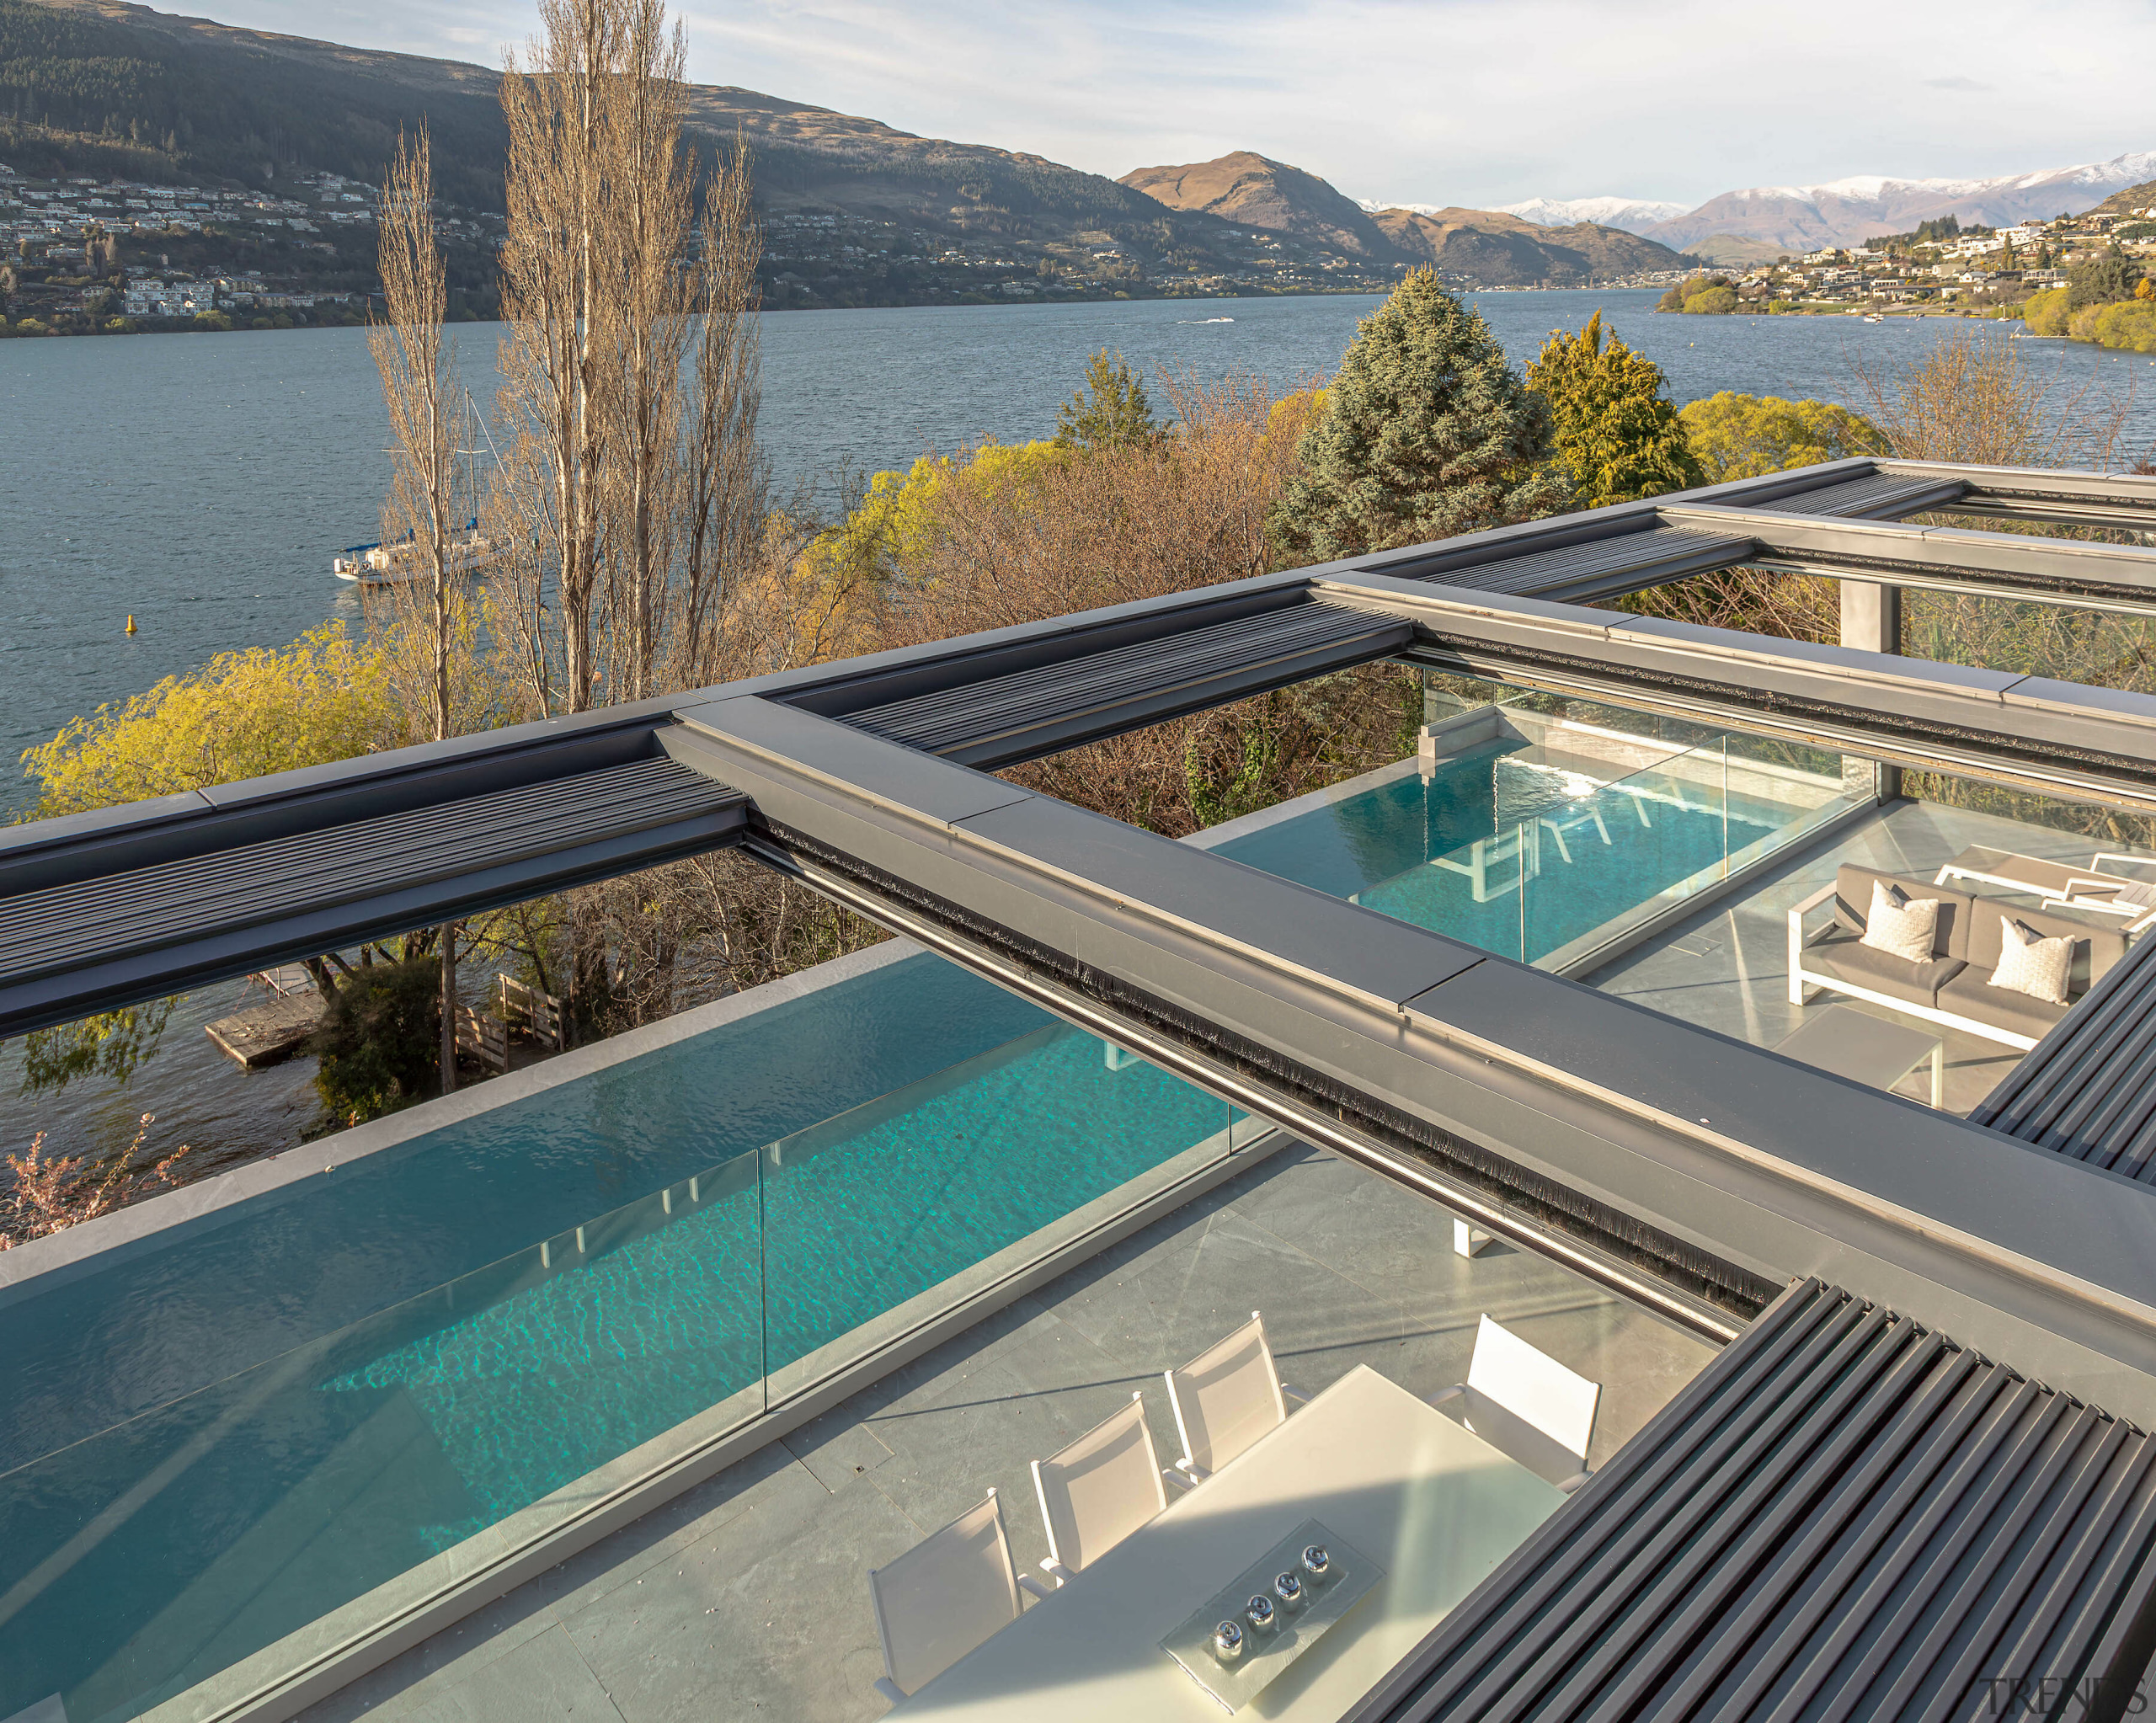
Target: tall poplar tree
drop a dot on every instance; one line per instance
(1617, 435)
(1428, 432)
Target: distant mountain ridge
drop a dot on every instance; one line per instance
(1489, 247)
(1256, 191)
(1762, 220)
(1847, 211)
(1634, 215)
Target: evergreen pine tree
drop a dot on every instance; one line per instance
(1618, 437)
(1111, 411)
(1426, 432)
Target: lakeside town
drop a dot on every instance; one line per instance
(82, 254)
(1941, 266)
(87, 255)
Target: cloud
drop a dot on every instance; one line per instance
(1427, 101)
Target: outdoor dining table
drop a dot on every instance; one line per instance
(1431, 1503)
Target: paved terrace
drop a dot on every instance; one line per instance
(749, 1595)
(1727, 968)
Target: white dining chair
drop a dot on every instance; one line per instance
(1524, 1403)
(1098, 1489)
(1225, 1398)
(944, 1597)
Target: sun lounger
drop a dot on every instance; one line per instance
(2100, 886)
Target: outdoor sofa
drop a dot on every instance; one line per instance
(1953, 988)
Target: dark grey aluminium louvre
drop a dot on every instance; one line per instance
(1845, 1515)
(2088, 1091)
(1835, 1456)
(82, 945)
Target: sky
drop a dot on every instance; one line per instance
(1471, 102)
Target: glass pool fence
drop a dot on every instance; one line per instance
(140, 1557)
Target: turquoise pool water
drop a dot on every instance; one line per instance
(149, 1538)
(1516, 852)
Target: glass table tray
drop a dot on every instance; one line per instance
(1268, 1651)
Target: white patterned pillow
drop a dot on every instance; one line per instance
(2030, 963)
(1901, 926)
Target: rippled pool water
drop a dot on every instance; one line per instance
(211, 1443)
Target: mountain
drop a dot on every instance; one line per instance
(2131, 201)
(1633, 214)
(1486, 247)
(1799, 218)
(1497, 249)
(1256, 191)
(109, 88)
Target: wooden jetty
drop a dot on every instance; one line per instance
(264, 1034)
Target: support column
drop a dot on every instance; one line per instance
(1871, 621)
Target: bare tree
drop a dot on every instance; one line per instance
(560, 185)
(727, 499)
(1975, 400)
(642, 245)
(423, 518)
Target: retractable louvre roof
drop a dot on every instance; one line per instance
(1700, 1172)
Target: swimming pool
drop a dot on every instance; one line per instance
(220, 1440)
(1540, 845)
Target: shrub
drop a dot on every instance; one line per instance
(2045, 313)
(1691, 287)
(380, 1039)
(1743, 436)
(2130, 326)
(1714, 301)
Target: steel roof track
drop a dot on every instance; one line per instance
(1847, 1515)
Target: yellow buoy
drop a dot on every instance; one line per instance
(130, 625)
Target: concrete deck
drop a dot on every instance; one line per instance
(749, 1595)
(1727, 968)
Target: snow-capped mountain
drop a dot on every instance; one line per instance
(1635, 214)
(1846, 211)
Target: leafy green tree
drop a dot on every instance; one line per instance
(1618, 436)
(1742, 436)
(1110, 411)
(1692, 287)
(380, 1039)
(2102, 280)
(108, 1045)
(1427, 432)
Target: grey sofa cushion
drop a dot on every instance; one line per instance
(1971, 995)
(1853, 902)
(1841, 955)
(2097, 945)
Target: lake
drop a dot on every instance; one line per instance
(200, 482)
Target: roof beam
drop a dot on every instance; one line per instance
(2059, 571)
(1752, 1158)
(2092, 744)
